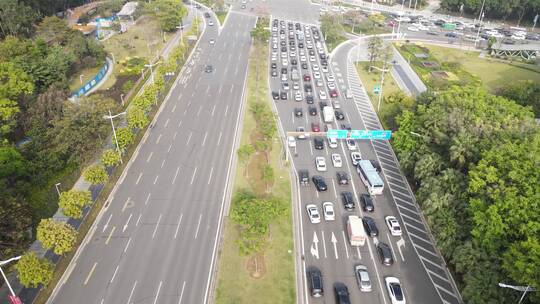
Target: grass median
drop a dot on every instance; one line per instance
(373, 78)
(268, 275)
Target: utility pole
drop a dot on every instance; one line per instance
(114, 131)
(13, 298)
(383, 70)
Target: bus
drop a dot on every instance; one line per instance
(370, 177)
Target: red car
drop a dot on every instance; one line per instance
(315, 127)
(307, 77)
(333, 93)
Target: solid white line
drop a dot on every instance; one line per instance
(158, 139)
(204, 139)
(166, 122)
(178, 227)
(150, 156)
(155, 179)
(334, 186)
(189, 138)
(193, 176)
(138, 219)
(226, 110)
(345, 243)
(90, 273)
(162, 163)
(310, 147)
(138, 179)
(182, 292)
(131, 294)
(127, 245)
(157, 225)
(114, 274)
(391, 246)
(210, 177)
(173, 109)
(323, 243)
(213, 109)
(358, 252)
(219, 138)
(147, 198)
(157, 293)
(198, 226)
(175, 174)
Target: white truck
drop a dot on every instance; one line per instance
(355, 228)
(328, 114)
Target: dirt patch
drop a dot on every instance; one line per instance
(430, 64)
(119, 87)
(256, 266)
(440, 74)
(256, 161)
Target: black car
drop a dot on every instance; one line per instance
(315, 282)
(348, 200)
(294, 61)
(283, 44)
(346, 126)
(304, 65)
(318, 142)
(322, 56)
(273, 65)
(311, 53)
(308, 88)
(209, 69)
(273, 73)
(385, 254)
(298, 112)
(367, 203)
(371, 226)
(312, 110)
(303, 177)
(319, 182)
(324, 62)
(322, 104)
(451, 35)
(284, 49)
(283, 95)
(301, 45)
(206, 15)
(275, 95)
(283, 70)
(309, 99)
(342, 177)
(339, 115)
(342, 293)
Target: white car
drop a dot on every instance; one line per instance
(328, 211)
(293, 54)
(210, 22)
(362, 278)
(351, 145)
(296, 86)
(303, 58)
(336, 160)
(313, 214)
(395, 291)
(356, 157)
(315, 67)
(348, 94)
(320, 163)
(413, 28)
(324, 69)
(298, 96)
(331, 85)
(284, 55)
(285, 86)
(283, 77)
(291, 141)
(285, 62)
(322, 95)
(518, 37)
(332, 143)
(393, 225)
(312, 58)
(316, 75)
(319, 83)
(330, 78)
(302, 133)
(213, 41)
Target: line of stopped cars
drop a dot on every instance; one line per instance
(301, 64)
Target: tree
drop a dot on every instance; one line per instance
(168, 12)
(33, 271)
(375, 45)
(331, 28)
(525, 93)
(13, 83)
(244, 153)
(110, 158)
(73, 201)
(125, 137)
(267, 175)
(58, 236)
(16, 19)
(48, 107)
(137, 118)
(260, 33)
(96, 174)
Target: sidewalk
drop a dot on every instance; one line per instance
(28, 295)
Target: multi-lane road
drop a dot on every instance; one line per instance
(156, 240)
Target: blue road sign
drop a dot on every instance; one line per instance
(339, 134)
(371, 134)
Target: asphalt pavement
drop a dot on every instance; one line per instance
(156, 240)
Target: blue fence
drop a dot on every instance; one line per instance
(93, 82)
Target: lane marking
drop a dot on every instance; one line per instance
(324, 244)
(220, 88)
(204, 139)
(110, 235)
(125, 204)
(232, 88)
(106, 224)
(150, 156)
(189, 138)
(175, 174)
(345, 244)
(175, 133)
(157, 225)
(166, 123)
(162, 163)
(173, 109)
(158, 139)
(138, 179)
(90, 273)
(210, 177)
(334, 186)
(213, 109)
(207, 89)
(138, 219)
(127, 222)
(169, 149)
(114, 274)
(199, 112)
(178, 226)
(198, 226)
(147, 199)
(155, 179)
(157, 293)
(226, 110)
(193, 176)
(127, 245)
(358, 252)
(182, 292)
(219, 138)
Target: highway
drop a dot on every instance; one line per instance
(156, 240)
(417, 262)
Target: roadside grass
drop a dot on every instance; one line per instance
(370, 80)
(366, 27)
(221, 16)
(464, 67)
(87, 74)
(277, 284)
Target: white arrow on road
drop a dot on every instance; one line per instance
(315, 246)
(334, 241)
(127, 222)
(401, 243)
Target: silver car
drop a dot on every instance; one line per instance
(362, 278)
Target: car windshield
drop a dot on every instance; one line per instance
(397, 291)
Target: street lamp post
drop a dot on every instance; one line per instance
(151, 69)
(80, 77)
(114, 131)
(383, 70)
(57, 189)
(13, 297)
(122, 98)
(525, 289)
